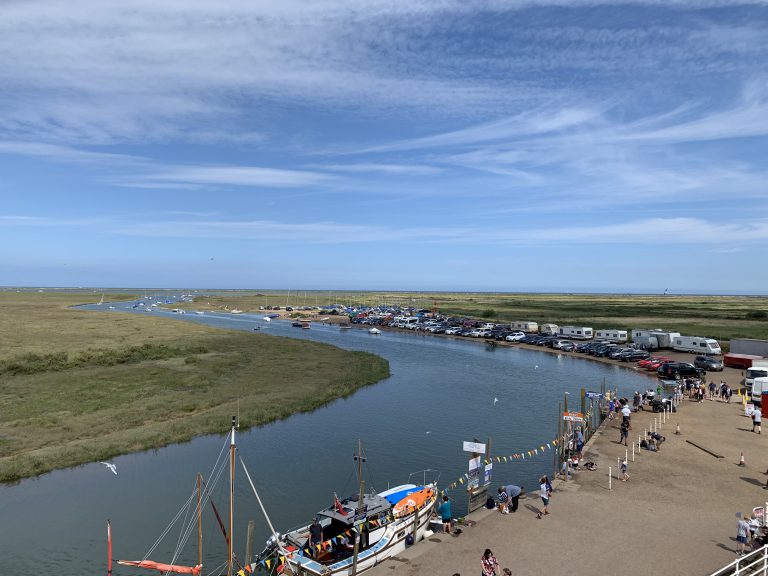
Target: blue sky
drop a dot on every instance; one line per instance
(341, 144)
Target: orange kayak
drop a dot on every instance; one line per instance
(413, 501)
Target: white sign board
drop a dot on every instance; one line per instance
(474, 447)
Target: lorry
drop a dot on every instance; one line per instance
(759, 369)
(576, 332)
(548, 329)
(697, 344)
(611, 335)
(527, 327)
(742, 361)
(749, 346)
(653, 338)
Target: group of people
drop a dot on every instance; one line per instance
(508, 497)
(750, 530)
(697, 390)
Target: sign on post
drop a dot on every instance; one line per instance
(474, 447)
(573, 416)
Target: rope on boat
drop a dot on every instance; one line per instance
(190, 526)
(266, 516)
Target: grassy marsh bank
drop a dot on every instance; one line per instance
(78, 386)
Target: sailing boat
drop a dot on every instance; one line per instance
(358, 532)
(203, 493)
(102, 299)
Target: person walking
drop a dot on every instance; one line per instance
(742, 535)
(624, 468)
(757, 418)
(624, 432)
(712, 390)
(545, 490)
(488, 563)
(445, 514)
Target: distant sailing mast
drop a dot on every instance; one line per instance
(360, 506)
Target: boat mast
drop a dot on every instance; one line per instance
(360, 505)
(199, 519)
(231, 496)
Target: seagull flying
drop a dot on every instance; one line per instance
(111, 466)
(495, 400)
(536, 367)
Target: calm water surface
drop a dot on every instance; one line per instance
(441, 393)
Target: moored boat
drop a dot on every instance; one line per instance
(358, 533)
(374, 331)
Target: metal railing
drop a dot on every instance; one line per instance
(753, 564)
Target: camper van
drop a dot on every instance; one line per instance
(548, 329)
(527, 327)
(611, 335)
(696, 344)
(576, 332)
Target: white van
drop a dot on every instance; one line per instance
(759, 385)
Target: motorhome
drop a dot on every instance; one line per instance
(527, 327)
(697, 344)
(548, 329)
(759, 369)
(576, 332)
(611, 335)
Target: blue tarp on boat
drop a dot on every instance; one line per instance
(395, 497)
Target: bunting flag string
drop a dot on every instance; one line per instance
(518, 456)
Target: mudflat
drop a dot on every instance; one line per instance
(676, 514)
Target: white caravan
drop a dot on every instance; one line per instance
(696, 344)
(576, 332)
(548, 329)
(527, 327)
(611, 335)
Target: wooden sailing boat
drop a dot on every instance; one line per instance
(203, 494)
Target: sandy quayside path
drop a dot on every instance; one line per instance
(676, 514)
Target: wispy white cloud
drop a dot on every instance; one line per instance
(392, 169)
(707, 234)
(232, 176)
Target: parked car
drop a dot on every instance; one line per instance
(568, 347)
(516, 337)
(708, 363)
(635, 355)
(678, 370)
(654, 363)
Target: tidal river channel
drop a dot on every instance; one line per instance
(441, 393)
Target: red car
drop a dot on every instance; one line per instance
(656, 363)
(644, 363)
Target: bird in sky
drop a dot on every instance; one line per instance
(495, 400)
(111, 466)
